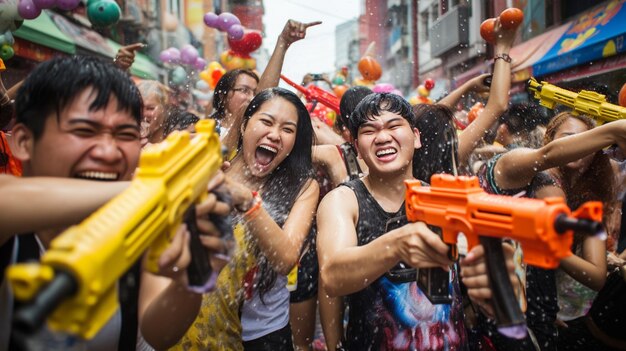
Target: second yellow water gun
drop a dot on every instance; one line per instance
(75, 284)
(586, 102)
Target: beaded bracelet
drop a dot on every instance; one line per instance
(504, 56)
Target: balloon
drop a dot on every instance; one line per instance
(175, 55)
(170, 22)
(235, 32)
(188, 54)
(339, 80)
(383, 88)
(202, 85)
(28, 10)
(226, 20)
(68, 5)
(45, 4)
(165, 56)
(422, 91)
(370, 68)
(210, 19)
(429, 84)
(179, 75)
(622, 96)
(475, 111)
(396, 92)
(250, 41)
(199, 64)
(339, 90)
(6, 52)
(214, 65)
(104, 13)
(205, 76)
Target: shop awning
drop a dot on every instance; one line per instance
(87, 41)
(593, 35)
(142, 66)
(527, 53)
(43, 31)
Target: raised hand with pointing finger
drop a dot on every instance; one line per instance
(294, 31)
(126, 55)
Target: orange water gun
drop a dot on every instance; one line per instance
(544, 228)
(314, 93)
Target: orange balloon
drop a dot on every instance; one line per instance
(370, 68)
(339, 90)
(475, 111)
(622, 96)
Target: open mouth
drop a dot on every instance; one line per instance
(265, 154)
(385, 154)
(101, 176)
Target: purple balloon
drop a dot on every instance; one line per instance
(188, 54)
(235, 32)
(67, 4)
(226, 20)
(45, 4)
(165, 56)
(199, 64)
(210, 19)
(174, 54)
(27, 10)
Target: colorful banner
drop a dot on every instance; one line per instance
(595, 34)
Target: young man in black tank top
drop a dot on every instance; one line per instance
(355, 256)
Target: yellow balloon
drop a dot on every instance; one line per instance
(205, 76)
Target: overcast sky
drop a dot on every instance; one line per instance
(315, 53)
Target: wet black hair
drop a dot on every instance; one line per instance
(53, 85)
(437, 136)
(349, 101)
(223, 86)
(284, 184)
(521, 118)
(374, 105)
(179, 120)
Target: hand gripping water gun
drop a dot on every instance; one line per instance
(544, 229)
(75, 284)
(314, 93)
(586, 102)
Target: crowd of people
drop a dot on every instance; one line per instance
(318, 213)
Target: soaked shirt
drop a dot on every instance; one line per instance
(398, 316)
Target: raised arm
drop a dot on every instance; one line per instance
(281, 245)
(498, 94)
(476, 84)
(292, 32)
(346, 268)
(39, 203)
(516, 168)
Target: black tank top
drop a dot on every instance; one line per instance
(397, 316)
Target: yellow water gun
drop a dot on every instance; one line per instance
(75, 284)
(586, 102)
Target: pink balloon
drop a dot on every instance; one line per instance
(226, 20)
(210, 19)
(45, 4)
(235, 32)
(383, 88)
(188, 54)
(67, 4)
(199, 64)
(27, 10)
(396, 91)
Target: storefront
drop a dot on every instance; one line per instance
(586, 52)
(51, 34)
